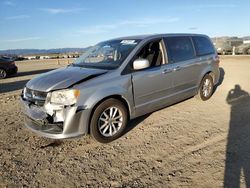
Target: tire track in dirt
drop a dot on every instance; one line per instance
(193, 149)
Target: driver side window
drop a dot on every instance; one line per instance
(152, 52)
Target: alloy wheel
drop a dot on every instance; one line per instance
(2, 73)
(110, 121)
(207, 88)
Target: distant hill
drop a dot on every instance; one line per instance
(42, 51)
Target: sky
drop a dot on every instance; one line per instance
(46, 24)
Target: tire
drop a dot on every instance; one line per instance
(3, 74)
(101, 120)
(206, 88)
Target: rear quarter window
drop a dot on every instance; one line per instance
(203, 46)
(179, 48)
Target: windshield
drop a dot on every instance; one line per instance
(107, 55)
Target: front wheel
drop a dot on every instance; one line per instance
(108, 121)
(3, 74)
(206, 88)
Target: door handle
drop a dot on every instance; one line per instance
(177, 68)
(165, 71)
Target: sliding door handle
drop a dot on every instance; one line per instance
(177, 68)
(165, 71)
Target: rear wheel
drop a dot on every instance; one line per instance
(108, 121)
(3, 74)
(206, 88)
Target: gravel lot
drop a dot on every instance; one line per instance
(190, 144)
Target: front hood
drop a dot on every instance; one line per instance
(62, 78)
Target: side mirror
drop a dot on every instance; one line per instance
(139, 64)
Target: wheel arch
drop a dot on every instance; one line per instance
(211, 73)
(3, 68)
(114, 96)
(206, 72)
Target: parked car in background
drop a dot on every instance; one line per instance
(7, 67)
(224, 48)
(119, 80)
(243, 49)
(226, 45)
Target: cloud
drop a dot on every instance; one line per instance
(172, 20)
(193, 28)
(62, 11)
(22, 39)
(145, 22)
(9, 3)
(215, 6)
(204, 6)
(17, 17)
(97, 29)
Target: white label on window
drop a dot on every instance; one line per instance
(128, 42)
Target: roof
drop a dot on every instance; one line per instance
(142, 37)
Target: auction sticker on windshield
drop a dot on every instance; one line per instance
(128, 42)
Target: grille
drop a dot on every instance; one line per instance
(36, 97)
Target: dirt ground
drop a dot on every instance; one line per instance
(189, 144)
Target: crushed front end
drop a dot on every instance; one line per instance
(51, 120)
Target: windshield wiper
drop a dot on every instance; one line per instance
(88, 66)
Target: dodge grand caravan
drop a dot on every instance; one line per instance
(119, 80)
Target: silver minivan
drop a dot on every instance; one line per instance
(118, 80)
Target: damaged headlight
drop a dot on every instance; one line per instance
(65, 97)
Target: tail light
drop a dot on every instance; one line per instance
(12, 63)
(217, 59)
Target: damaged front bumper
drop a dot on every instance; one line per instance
(56, 122)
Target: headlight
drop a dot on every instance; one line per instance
(64, 97)
(24, 93)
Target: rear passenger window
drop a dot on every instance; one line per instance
(203, 46)
(179, 49)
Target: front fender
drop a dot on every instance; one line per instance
(107, 92)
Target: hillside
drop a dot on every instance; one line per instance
(41, 51)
